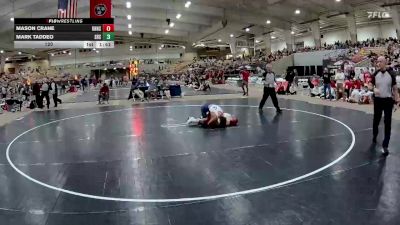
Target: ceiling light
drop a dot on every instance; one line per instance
(338, 0)
(124, 67)
(292, 32)
(160, 48)
(178, 16)
(52, 54)
(97, 51)
(166, 31)
(128, 5)
(273, 37)
(268, 21)
(257, 41)
(231, 35)
(130, 32)
(297, 11)
(69, 53)
(219, 40)
(171, 24)
(183, 47)
(130, 49)
(129, 17)
(115, 68)
(1, 51)
(187, 4)
(247, 29)
(7, 59)
(105, 68)
(130, 26)
(131, 46)
(194, 43)
(19, 53)
(12, 19)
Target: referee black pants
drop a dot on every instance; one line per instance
(383, 105)
(269, 92)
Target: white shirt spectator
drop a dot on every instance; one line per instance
(339, 77)
(355, 95)
(53, 88)
(45, 87)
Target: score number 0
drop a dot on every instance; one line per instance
(108, 27)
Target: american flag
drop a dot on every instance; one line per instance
(67, 9)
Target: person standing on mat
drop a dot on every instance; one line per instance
(269, 89)
(245, 81)
(54, 93)
(290, 75)
(384, 87)
(36, 93)
(326, 76)
(45, 93)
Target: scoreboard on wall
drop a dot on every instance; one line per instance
(63, 33)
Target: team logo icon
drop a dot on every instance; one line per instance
(100, 9)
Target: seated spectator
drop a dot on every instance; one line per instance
(104, 94)
(135, 91)
(366, 96)
(355, 96)
(152, 91)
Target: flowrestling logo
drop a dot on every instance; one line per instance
(378, 15)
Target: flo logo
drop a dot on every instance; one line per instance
(378, 15)
(100, 9)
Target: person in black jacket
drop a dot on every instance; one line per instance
(36, 93)
(54, 92)
(289, 78)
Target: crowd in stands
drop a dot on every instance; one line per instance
(344, 84)
(200, 73)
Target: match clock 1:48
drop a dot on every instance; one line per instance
(108, 36)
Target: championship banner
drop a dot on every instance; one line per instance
(100, 8)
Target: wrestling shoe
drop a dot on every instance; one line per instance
(385, 152)
(190, 120)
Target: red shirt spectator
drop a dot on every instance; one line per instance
(333, 84)
(245, 75)
(367, 77)
(104, 90)
(348, 84)
(357, 84)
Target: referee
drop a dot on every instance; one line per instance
(269, 89)
(385, 96)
